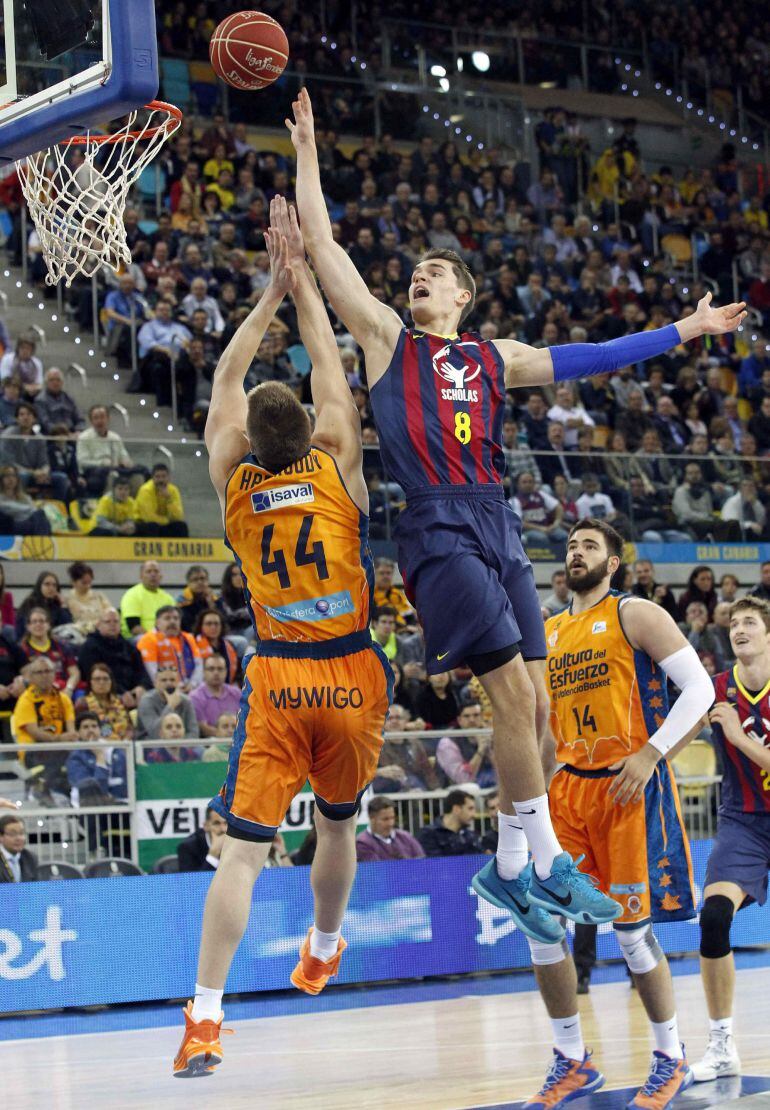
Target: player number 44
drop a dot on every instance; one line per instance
(463, 427)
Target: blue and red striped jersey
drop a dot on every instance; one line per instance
(438, 409)
(745, 786)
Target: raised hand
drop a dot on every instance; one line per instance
(283, 219)
(283, 278)
(302, 127)
(717, 321)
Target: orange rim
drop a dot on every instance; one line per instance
(174, 118)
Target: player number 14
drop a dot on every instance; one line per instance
(463, 427)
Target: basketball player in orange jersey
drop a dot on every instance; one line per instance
(316, 693)
(438, 400)
(614, 799)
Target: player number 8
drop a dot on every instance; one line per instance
(463, 427)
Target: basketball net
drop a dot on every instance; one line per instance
(78, 210)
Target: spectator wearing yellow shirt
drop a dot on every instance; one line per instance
(44, 715)
(386, 593)
(159, 506)
(116, 512)
(140, 604)
(223, 188)
(755, 214)
(219, 162)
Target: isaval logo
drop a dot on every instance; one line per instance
(282, 497)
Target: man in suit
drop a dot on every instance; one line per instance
(382, 840)
(17, 863)
(201, 850)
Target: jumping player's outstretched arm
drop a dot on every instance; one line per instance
(225, 433)
(526, 366)
(369, 321)
(652, 630)
(338, 425)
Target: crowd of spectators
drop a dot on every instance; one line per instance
(52, 457)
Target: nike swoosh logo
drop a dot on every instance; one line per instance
(558, 898)
(572, 1026)
(528, 812)
(522, 909)
(440, 657)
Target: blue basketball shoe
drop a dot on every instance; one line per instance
(569, 892)
(512, 895)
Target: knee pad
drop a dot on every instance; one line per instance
(544, 954)
(716, 917)
(640, 949)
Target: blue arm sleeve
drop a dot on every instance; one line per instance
(581, 360)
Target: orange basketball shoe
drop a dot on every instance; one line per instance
(311, 974)
(667, 1079)
(200, 1050)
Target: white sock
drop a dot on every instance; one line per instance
(512, 853)
(721, 1026)
(535, 819)
(207, 1005)
(666, 1034)
(568, 1037)
(323, 945)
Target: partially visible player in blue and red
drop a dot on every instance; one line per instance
(438, 397)
(738, 866)
(316, 692)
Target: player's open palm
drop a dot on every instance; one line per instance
(302, 126)
(283, 218)
(717, 321)
(283, 278)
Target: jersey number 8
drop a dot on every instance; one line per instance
(463, 427)
(275, 562)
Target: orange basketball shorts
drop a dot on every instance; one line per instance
(638, 852)
(304, 719)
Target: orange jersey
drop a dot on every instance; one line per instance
(302, 545)
(606, 698)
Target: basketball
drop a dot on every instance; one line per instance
(249, 50)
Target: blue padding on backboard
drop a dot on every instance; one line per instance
(134, 81)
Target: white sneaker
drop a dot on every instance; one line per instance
(720, 1059)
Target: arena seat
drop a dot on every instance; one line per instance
(112, 868)
(59, 870)
(697, 761)
(166, 865)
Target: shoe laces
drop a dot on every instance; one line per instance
(558, 1070)
(663, 1070)
(568, 875)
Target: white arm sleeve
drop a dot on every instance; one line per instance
(685, 669)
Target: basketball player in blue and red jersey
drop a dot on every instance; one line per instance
(316, 693)
(739, 863)
(437, 396)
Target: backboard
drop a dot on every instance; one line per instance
(44, 100)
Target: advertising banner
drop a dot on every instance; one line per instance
(171, 800)
(100, 941)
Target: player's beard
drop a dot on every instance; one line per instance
(590, 580)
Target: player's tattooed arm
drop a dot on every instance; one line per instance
(225, 433)
(365, 317)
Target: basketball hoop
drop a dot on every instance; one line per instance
(78, 210)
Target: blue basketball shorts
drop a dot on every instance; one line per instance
(741, 853)
(467, 575)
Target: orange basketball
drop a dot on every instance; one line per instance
(249, 50)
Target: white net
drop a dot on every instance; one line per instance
(77, 192)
